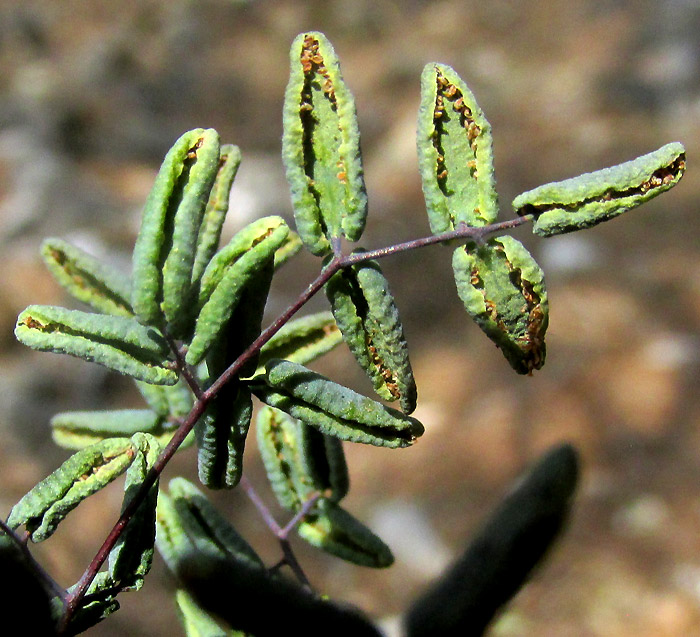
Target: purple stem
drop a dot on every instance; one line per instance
(260, 506)
(184, 368)
(299, 516)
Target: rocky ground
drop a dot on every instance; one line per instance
(93, 94)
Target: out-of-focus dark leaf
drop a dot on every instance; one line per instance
(500, 558)
(265, 606)
(23, 589)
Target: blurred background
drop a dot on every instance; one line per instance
(92, 94)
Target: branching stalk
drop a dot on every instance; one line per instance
(282, 533)
(204, 397)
